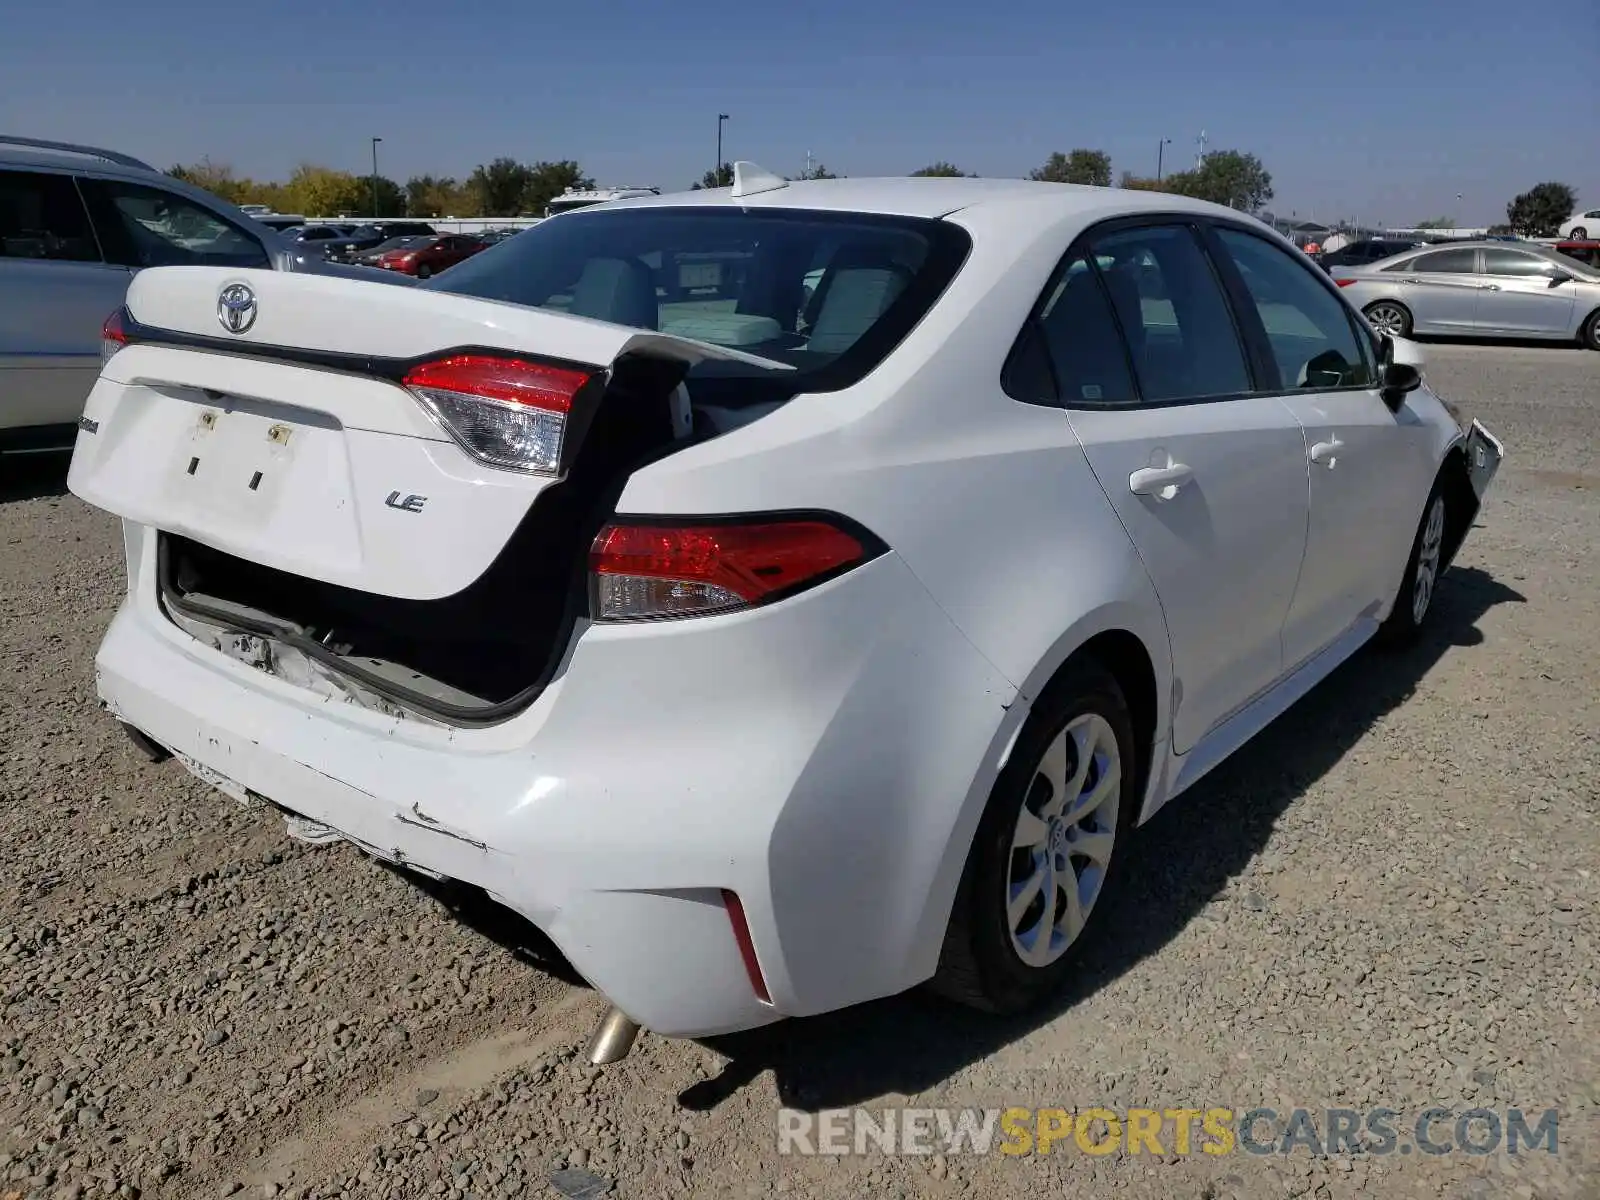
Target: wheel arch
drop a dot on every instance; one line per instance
(1126, 640)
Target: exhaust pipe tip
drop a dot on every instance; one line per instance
(613, 1037)
(148, 746)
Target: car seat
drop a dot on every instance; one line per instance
(619, 290)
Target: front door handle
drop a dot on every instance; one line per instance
(1160, 482)
(1327, 452)
(1491, 287)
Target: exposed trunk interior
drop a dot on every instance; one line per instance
(474, 657)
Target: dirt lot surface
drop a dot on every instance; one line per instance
(1387, 900)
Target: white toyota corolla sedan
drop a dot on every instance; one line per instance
(781, 595)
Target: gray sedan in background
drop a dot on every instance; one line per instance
(1479, 289)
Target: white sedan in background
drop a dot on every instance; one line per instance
(771, 648)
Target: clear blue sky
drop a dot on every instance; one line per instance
(1379, 111)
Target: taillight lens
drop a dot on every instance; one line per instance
(650, 572)
(507, 412)
(1344, 282)
(113, 336)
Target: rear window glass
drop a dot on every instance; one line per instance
(828, 294)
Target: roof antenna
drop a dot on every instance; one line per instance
(750, 180)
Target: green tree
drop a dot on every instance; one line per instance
(497, 188)
(943, 170)
(1080, 166)
(721, 177)
(216, 178)
(1540, 211)
(430, 196)
(315, 191)
(817, 172)
(1437, 223)
(1229, 177)
(547, 180)
(391, 197)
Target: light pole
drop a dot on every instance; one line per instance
(1161, 149)
(716, 175)
(375, 142)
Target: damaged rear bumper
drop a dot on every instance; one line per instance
(809, 760)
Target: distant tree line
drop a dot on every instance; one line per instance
(508, 188)
(502, 188)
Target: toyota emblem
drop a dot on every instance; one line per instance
(236, 307)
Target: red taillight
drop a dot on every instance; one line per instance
(113, 336)
(643, 572)
(507, 412)
(1344, 282)
(747, 947)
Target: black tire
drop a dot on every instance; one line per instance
(424, 272)
(1405, 623)
(1589, 335)
(1402, 313)
(1580, 234)
(978, 966)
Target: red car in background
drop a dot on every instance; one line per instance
(1586, 252)
(431, 256)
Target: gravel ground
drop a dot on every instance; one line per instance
(1387, 900)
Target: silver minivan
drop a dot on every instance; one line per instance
(76, 222)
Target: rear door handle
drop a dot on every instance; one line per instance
(1490, 287)
(1327, 452)
(1161, 482)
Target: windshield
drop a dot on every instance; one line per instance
(830, 294)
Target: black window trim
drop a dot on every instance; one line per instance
(1259, 361)
(1250, 317)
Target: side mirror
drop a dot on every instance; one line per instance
(1559, 278)
(1399, 370)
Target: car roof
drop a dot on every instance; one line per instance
(915, 196)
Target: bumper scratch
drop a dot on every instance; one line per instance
(422, 820)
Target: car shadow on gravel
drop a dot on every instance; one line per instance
(32, 476)
(1180, 862)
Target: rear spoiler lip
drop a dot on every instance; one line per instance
(376, 366)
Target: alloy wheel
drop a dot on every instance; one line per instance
(1387, 318)
(1063, 840)
(1427, 573)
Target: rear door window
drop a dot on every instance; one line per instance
(1084, 361)
(150, 227)
(42, 217)
(1446, 262)
(1174, 314)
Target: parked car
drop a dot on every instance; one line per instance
(1580, 226)
(1587, 252)
(76, 223)
(770, 658)
(369, 258)
(1479, 289)
(365, 237)
(434, 256)
(1368, 250)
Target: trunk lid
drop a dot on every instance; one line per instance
(293, 443)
